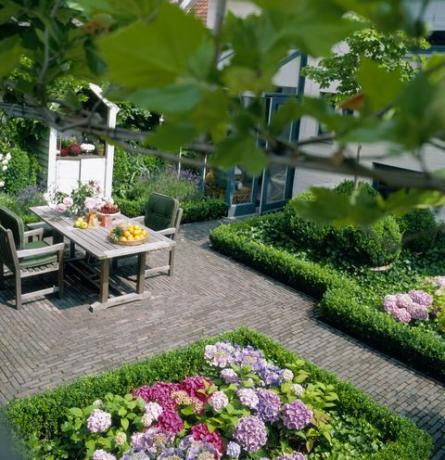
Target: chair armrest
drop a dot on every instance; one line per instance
(167, 231)
(34, 232)
(139, 219)
(41, 251)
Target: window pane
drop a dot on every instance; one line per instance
(277, 183)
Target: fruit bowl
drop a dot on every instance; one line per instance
(109, 209)
(128, 235)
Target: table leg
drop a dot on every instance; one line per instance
(140, 282)
(104, 280)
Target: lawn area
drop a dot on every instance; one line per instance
(297, 410)
(352, 292)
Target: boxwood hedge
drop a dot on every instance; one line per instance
(194, 211)
(339, 299)
(42, 415)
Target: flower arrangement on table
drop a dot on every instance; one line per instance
(419, 305)
(86, 197)
(243, 407)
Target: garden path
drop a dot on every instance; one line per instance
(54, 341)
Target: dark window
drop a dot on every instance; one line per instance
(385, 189)
(437, 38)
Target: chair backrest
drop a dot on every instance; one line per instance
(160, 211)
(8, 252)
(13, 222)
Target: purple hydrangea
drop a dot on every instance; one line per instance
(249, 356)
(136, 454)
(269, 405)
(218, 401)
(103, 455)
(296, 415)
(419, 312)
(229, 376)
(198, 449)
(171, 453)
(421, 298)
(98, 421)
(293, 456)
(233, 450)
(220, 354)
(271, 375)
(248, 397)
(251, 433)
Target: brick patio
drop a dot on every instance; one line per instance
(53, 341)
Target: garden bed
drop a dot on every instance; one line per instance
(319, 413)
(351, 296)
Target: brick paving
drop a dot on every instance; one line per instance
(53, 341)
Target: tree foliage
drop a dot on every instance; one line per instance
(164, 60)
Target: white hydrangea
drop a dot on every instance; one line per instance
(298, 389)
(153, 410)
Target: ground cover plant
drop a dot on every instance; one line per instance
(239, 395)
(399, 308)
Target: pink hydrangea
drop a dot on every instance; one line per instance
(220, 354)
(390, 303)
(159, 392)
(296, 415)
(218, 401)
(201, 432)
(421, 298)
(196, 387)
(402, 315)
(403, 300)
(292, 456)
(170, 422)
(98, 421)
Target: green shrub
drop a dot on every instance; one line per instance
(205, 209)
(40, 417)
(377, 245)
(22, 171)
(419, 228)
(194, 211)
(341, 296)
(302, 230)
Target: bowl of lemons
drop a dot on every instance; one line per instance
(128, 235)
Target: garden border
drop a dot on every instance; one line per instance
(44, 413)
(339, 305)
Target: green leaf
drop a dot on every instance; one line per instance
(125, 423)
(76, 411)
(241, 150)
(286, 114)
(172, 136)
(154, 54)
(10, 52)
(175, 98)
(380, 86)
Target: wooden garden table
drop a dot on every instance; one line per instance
(94, 241)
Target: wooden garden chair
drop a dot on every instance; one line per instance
(26, 255)
(163, 215)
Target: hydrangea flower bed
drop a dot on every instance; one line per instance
(241, 406)
(352, 295)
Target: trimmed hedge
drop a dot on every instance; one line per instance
(43, 414)
(194, 211)
(420, 229)
(378, 245)
(339, 299)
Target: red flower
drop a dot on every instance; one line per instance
(74, 150)
(196, 387)
(200, 432)
(64, 152)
